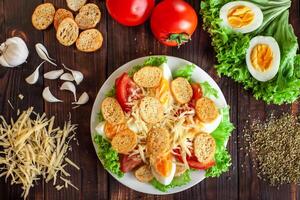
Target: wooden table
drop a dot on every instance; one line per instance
(122, 44)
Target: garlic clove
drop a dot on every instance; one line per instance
(49, 97)
(70, 87)
(55, 74)
(43, 53)
(34, 77)
(67, 77)
(83, 99)
(77, 75)
(13, 52)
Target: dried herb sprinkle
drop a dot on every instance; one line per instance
(275, 145)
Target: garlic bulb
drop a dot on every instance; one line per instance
(13, 52)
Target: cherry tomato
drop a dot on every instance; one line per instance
(197, 94)
(129, 163)
(197, 91)
(193, 161)
(130, 12)
(173, 22)
(124, 85)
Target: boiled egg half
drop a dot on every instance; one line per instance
(163, 91)
(210, 126)
(163, 169)
(241, 16)
(263, 58)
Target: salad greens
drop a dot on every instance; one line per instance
(231, 49)
(111, 92)
(221, 135)
(176, 182)
(151, 61)
(208, 90)
(108, 156)
(100, 116)
(185, 72)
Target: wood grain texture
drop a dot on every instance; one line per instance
(122, 44)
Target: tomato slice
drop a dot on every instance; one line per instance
(129, 163)
(193, 161)
(124, 87)
(197, 94)
(197, 91)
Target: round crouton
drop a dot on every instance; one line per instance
(206, 110)
(204, 147)
(111, 130)
(148, 77)
(124, 142)
(144, 174)
(60, 15)
(151, 110)
(42, 16)
(158, 142)
(181, 90)
(112, 111)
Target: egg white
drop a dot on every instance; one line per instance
(211, 126)
(255, 24)
(165, 180)
(100, 129)
(273, 69)
(167, 74)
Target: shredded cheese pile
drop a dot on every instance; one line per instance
(179, 119)
(31, 148)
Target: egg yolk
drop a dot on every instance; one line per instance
(240, 16)
(163, 165)
(163, 91)
(261, 57)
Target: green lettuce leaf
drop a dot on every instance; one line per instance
(221, 135)
(185, 72)
(108, 156)
(231, 50)
(208, 91)
(151, 61)
(176, 182)
(111, 92)
(100, 116)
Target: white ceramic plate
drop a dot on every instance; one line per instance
(174, 63)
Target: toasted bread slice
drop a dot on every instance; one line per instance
(67, 32)
(148, 77)
(88, 17)
(204, 147)
(206, 110)
(151, 110)
(124, 142)
(158, 142)
(111, 130)
(112, 111)
(181, 90)
(75, 5)
(89, 40)
(60, 15)
(144, 174)
(42, 16)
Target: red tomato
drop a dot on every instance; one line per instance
(130, 12)
(124, 84)
(193, 161)
(197, 91)
(173, 22)
(129, 163)
(197, 94)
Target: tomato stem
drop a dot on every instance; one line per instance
(179, 38)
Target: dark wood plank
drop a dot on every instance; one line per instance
(17, 22)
